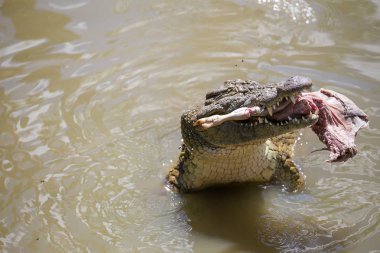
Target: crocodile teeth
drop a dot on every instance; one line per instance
(289, 118)
(286, 98)
(270, 110)
(293, 99)
(265, 119)
(261, 120)
(278, 104)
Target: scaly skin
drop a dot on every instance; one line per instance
(236, 152)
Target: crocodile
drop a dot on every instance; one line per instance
(246, 132)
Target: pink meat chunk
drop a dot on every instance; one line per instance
(339, 121)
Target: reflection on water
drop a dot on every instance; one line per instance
(299, 11)
(90, 98)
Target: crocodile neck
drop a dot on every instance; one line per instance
(202, 166)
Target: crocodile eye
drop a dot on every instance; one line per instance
(294, 84)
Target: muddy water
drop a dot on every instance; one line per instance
(90, 98)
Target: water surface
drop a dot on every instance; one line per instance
(90, 98)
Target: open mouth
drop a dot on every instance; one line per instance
(289, 109)
(292, 109)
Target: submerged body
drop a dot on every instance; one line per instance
(245, 132)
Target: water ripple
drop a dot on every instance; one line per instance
(21, 46)
(68, 6)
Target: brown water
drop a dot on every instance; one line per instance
(90, 98)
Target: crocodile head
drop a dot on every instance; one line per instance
(258, 112)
